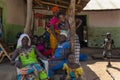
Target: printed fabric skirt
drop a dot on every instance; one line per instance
(34, 72)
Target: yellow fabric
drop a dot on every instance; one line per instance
(77, 71)
(53, 40)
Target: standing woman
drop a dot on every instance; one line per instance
(27, 61)
(53, 30)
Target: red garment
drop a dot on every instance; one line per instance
(40, 47)
(47, 52)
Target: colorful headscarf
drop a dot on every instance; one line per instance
(19, 43)
(55, 9)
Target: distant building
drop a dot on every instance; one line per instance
(102, 16)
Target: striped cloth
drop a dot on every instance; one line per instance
(77, 49)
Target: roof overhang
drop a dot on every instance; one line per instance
(102, 5)
(62, 4)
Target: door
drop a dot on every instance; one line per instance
(82, 31)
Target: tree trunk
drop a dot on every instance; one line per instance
(27, 28)
(72, 24)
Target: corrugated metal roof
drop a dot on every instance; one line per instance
(102, 5)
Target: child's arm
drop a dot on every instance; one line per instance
(103, 45)
(65, 52)
(80, 71)
(64, 66)
(113, 45)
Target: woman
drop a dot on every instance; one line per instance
(53, 28)
(27, 61)
(60, 56)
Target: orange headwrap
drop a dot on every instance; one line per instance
(55, 9)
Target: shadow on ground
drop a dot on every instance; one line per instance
(88, 73)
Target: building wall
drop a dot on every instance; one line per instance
(101, 22)
(14, 14)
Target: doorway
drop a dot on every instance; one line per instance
(82, 31)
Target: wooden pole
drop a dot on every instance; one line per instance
(27, 28)
(72, 24)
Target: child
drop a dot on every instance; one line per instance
(108, 45)
(64, 24)
(35, 40)
(47, 50)
(40, 45)
(74, 71)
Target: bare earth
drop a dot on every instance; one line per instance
(94, 70)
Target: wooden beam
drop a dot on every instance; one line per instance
(78, 6)
(85, 1)
(64, 2)
(49, 3)
(72, 24)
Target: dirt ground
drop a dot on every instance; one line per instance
(93, 70)
(97, 70)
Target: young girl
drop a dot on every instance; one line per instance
(47, 50)
(108, 45)
(40, 45)
(74, 70)
(34, 41)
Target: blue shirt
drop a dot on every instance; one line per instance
(61, 48)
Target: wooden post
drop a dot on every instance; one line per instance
(27, 28)
(72, 24)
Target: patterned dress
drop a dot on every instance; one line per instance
(108, 44)
(58, 63)
(31, 66)
(72, 74)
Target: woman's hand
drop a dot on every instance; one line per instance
(23, 71)
(18, 64)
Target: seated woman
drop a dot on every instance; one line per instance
(60, 56)
(27, 62)
(74, 70)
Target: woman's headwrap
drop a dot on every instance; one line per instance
(64, 32)
(19, 43)
(55, 9)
